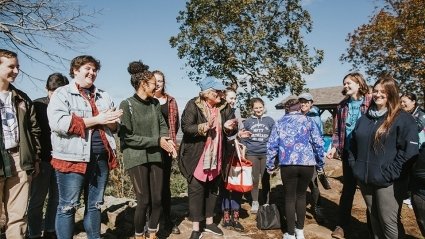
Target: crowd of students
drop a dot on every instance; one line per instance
(63, 146)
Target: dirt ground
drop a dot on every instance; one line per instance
(313, 230)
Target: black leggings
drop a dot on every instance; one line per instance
(166, 191)
(259, 173)
(147, 183)
(314, 189)
(295, 181)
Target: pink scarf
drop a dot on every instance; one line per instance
(213, 146)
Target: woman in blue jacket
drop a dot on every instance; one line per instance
(383, 143)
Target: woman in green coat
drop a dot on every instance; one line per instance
(143, 133)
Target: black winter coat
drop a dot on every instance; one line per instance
(389, 161)
(193, 142)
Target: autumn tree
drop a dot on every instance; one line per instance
(37, 28)
(255, 44)
(392, 42)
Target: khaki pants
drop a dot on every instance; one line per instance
(14, 193)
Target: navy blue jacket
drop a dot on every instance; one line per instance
(389, 161)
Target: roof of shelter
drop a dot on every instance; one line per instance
(322, 97)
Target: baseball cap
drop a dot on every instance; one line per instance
(306, 96)
(211, 83)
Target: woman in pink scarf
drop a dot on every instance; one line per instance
(204, 121)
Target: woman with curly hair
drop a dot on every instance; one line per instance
(144, 134)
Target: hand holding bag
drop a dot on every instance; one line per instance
(239, 174)
(268, 217)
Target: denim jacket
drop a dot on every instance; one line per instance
(64, 102)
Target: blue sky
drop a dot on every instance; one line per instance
(133, 29)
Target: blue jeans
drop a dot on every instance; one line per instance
(70, 186)
(231, 200)
(43, 184)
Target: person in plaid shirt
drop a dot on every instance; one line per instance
(170, 112)
(349, 110)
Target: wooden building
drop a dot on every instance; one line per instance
(326, 98)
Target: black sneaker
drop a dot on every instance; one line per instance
(227, 224)
(196, 235)
(212, 228)
(237, 226)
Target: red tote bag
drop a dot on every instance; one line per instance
(239, 174)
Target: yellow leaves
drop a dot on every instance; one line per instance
(393, 41)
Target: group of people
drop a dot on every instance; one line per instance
(376, 134)
(63, 146)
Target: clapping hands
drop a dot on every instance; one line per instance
(168, 145)
(109, 116)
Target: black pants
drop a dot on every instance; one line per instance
(349, 185)
(167, 162)
(147, 183)
(418, 204)
(202, 198)
(295, 182)
(314, 189)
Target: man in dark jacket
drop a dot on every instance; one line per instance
(45, 183)
(19, 146)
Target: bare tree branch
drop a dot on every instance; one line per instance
(35, 28)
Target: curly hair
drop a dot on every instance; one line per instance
(139, 72)
(79, 61)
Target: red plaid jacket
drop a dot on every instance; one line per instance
(338, 137)
(173, 118)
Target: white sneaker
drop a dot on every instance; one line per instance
(287, 236)
(408, 202)
(254, 207)
(299, 233)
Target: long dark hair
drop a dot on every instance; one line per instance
(393, 106)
